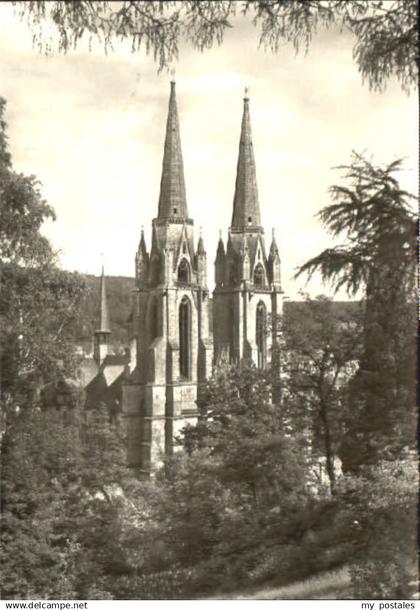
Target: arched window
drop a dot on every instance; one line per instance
(261, 335)
(153, 322)
(185, 339)
(184, 271)
(259, 275)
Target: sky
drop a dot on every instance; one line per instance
(91, 127)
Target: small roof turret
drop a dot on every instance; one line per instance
(200, 245)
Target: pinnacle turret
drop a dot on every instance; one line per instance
(246, 209)
(172, 198)
(274, 251)
(200, 246)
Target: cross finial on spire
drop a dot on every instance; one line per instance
(173, 72)
(246, 91)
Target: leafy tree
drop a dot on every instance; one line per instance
(243, 427)
(240, 485)
(321, 346)
(385, 31)
(69, 507)
(378, 258)
(383, 501)
(38, 301)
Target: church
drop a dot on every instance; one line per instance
(177, 331)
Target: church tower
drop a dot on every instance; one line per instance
(171, 343)
(247, 295)
(103, 331)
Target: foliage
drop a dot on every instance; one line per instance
(66, 517)
(38, 301)
(383, 502)
(239, 492)
(385, 32)
(320, 345)
(378, 257)
(377, 218)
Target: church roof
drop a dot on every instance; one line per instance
(246, 209)
(172, 198)
(104, 325)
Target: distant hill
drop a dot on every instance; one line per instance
(119, 304)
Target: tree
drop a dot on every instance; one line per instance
(70, 507)
(240, 486)
(321, 343)
(385, 32)
(243, 427)
(38, 301)
(377, 258)
(382, 502)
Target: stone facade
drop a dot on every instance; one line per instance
(247, 297)
(171, 345)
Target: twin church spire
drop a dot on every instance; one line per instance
(173, 211)
(246, 208)
(172, 198)
(173, 343)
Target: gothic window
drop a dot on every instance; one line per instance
(185, 339)
(175, 211)
(184, 271)
(259, 275)
(261, 335)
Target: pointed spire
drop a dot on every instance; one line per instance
(273, 248)
(246, 209)
(142, 245)
(172, 199)
(220, 247)
(104, 326)
(200, 245)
